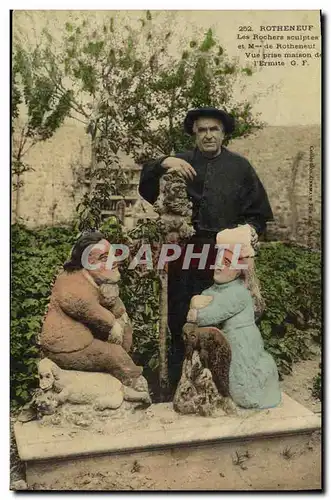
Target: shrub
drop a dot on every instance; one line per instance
(36, 259)
(291, 285)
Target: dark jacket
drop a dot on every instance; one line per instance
(225, 192)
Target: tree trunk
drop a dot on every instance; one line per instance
(93, 180)
(163, 334)
(17, 198)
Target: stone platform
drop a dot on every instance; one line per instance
(159, 440)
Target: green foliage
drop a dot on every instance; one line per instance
(16, 97)
(291, 286)
(208, 42)
(129, 90)
(45, 108)
(37, 256)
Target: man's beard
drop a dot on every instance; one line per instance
(109, 292)
(100, 280)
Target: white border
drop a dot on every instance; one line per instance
(4, 184)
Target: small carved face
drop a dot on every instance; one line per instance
(203, 377)
(46, 378)
(46, 403)
(108, 294)
(224, 272)
(190, 338)
(190, 335)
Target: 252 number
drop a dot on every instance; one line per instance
(245, 28)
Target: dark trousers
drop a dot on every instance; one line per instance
(182, 285)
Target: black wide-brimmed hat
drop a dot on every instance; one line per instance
(208, 112)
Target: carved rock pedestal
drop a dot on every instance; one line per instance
(197, 393)
(133, 452)
(80, 398)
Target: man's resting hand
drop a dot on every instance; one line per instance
(172, 164)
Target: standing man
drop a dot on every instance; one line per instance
(225, 191)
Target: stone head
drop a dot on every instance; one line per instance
(224, 272)
(45, 403)
(48, 373)
(237, 250)
(92, 251)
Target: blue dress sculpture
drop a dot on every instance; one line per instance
(228, 305)
(253, 378)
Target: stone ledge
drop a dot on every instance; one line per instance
(160, 427)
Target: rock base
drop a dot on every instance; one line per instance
(168, 451)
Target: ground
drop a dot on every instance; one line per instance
(250, 469)
(299, 384)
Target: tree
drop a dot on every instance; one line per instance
(37, 110)
(132, 94)
(169, 86)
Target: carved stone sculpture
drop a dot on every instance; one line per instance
(253, 375)
(204, 385)
(174, 208)
(86, 327)
(197, 393)
(214, 352)
(100, 390)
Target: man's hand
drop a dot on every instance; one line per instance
(172, 164)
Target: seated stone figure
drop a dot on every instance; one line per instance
(253, 375)
(86, 327)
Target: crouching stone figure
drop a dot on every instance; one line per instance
(86, 327)
(100, 390)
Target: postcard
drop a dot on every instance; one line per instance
(166, 325)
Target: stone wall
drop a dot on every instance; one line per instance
(281, 156)
(52, 190)
(288, 161)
